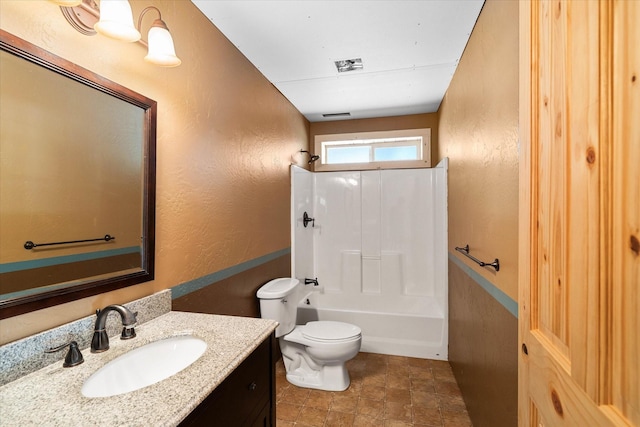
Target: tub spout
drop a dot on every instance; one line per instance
(309, 281)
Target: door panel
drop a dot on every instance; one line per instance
(625, 326)
(580, 213)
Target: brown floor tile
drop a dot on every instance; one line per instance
(398, 360)
(372, 392)
(418, 372)
(456, 420)
(425, 399)
(448, 388)
(441, 374)
(379, 380)
(388, 391)
(371, 408)
(287, 412)
(427, 416)
(312, 417)
(403, 370)
(420, 363)
(367, 421)
(295, 395)
(344, 403)
(339, 419)
(354, 388)
(400, 395)
(356, 365)
(451, 403)
(438, 363)
(379, 357)
(397, 411)
(396, 423)
(418, 384)
(319, 399)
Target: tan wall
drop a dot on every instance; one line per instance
(479, 134)
(413, 121)
(226, 138)
(478, 131)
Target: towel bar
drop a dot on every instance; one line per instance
(465, 251)
(30, 245)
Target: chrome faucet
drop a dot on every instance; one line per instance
(100, 340)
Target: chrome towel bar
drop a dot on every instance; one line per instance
(465, 251)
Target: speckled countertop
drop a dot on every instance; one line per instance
(51, 396)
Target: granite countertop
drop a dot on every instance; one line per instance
(51, 396)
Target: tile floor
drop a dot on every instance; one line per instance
(388, 391)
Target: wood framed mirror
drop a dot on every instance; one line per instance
(78, 158)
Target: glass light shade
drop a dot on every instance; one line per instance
(116, 21)
(161, 50)
(67, 3)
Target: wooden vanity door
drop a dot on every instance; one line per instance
(579, 283)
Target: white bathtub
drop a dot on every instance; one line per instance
(401, 325)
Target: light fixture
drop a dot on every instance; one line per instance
(114, 19)
(160, 43)
(67, 3)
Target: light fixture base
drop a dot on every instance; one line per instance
(83, 17)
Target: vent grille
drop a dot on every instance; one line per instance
(337, 115)
(345, 65)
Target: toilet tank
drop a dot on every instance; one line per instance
(279, 302)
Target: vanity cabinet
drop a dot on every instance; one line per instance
(245, 398)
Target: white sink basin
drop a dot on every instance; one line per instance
(144, 366)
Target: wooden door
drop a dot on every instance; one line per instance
(579, 234)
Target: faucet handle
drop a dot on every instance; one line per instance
(128, 332)
(73, 357)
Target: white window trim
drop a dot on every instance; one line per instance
(319, 166)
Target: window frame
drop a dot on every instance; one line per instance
(320, 141)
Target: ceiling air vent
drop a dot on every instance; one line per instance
(337, 115)
(348, 65)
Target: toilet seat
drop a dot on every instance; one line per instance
(330, 331)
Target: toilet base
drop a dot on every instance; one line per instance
(329, 378)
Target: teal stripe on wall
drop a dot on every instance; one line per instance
(202, 282)
(501, 297)
(47, 262)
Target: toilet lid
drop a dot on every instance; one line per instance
(327, 330)
(277, 288)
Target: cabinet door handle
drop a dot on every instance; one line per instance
(253, 386)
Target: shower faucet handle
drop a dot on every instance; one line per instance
(306, 219)
(309, 281)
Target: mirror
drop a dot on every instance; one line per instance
(77, 181)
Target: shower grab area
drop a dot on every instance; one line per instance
(377, 243)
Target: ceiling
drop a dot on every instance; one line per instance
(409, 50)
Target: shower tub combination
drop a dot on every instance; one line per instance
(406, 326)
(378, 247)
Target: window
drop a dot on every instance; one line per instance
(374, 150)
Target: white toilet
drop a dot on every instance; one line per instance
(314, 354)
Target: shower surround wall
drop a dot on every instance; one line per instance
(378, 249)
